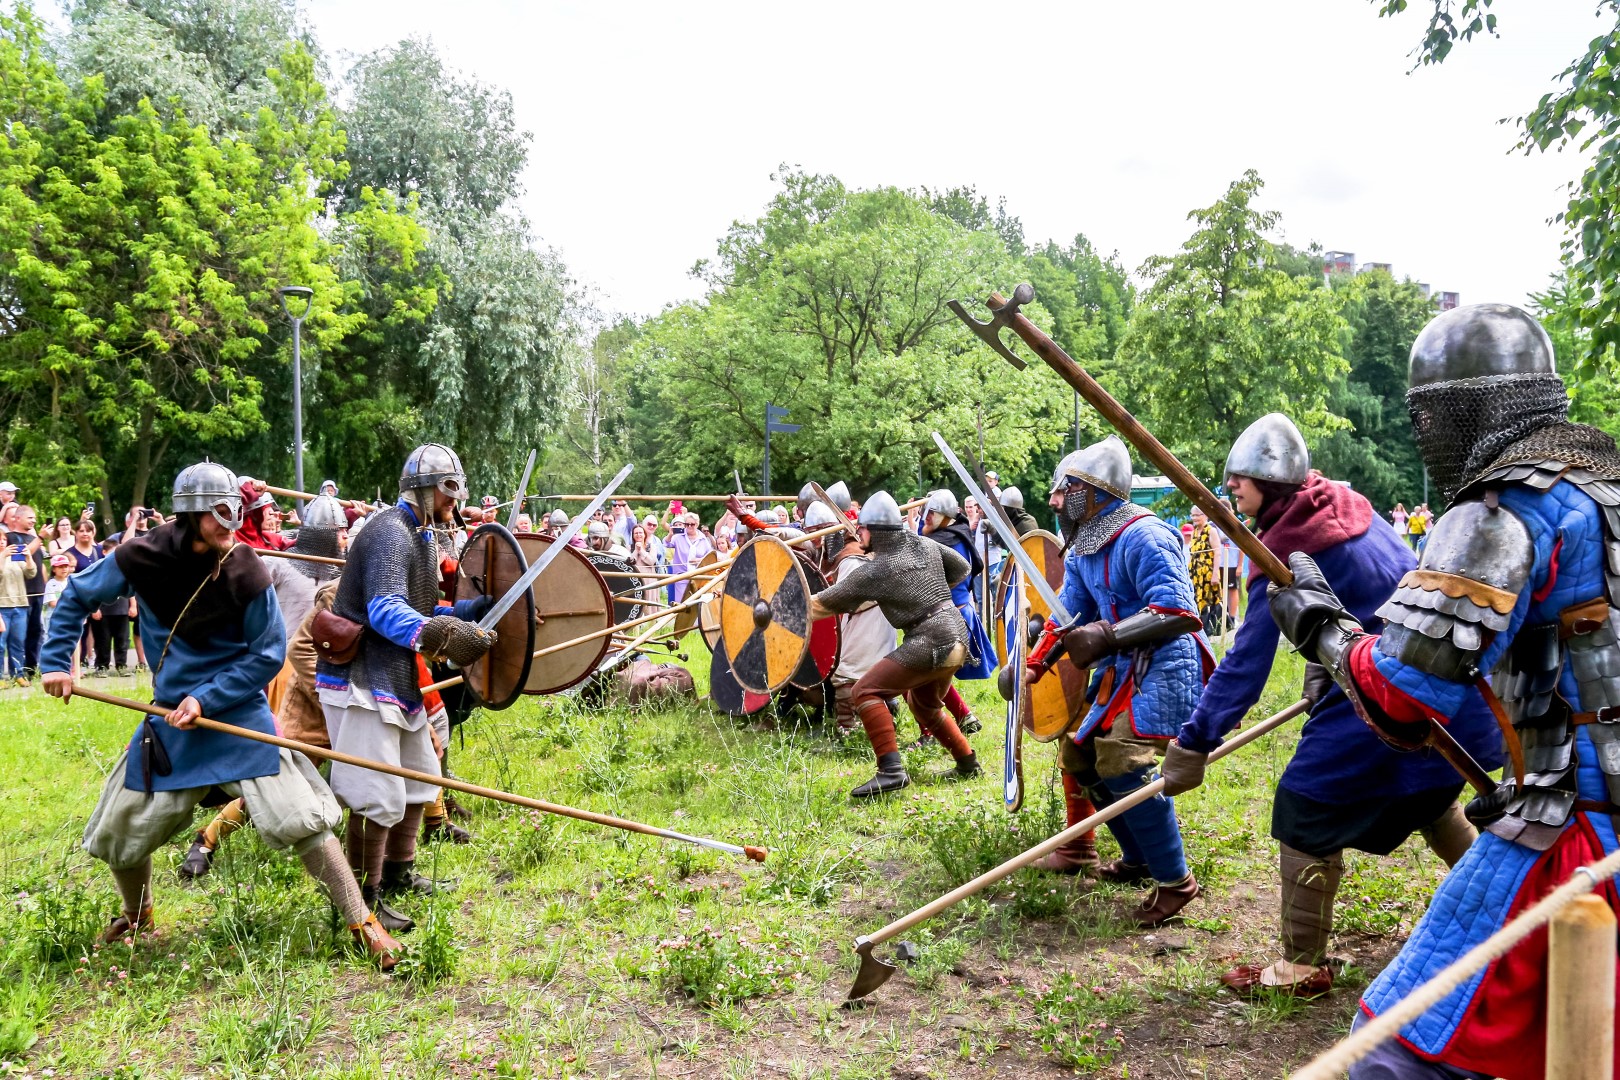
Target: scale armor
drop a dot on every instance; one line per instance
(909, 579)
(390, 556)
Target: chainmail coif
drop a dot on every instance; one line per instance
(1463, 425)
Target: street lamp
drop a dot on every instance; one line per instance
(307, 295)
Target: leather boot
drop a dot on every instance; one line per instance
(198, 861)
(891, 776)
(444, 829)
(924, 741)
(123, 926)
(455, 809)
(1079, 855)
(400, 878)
(969, 725)
(378, 943)
(966, 768)
(394, 922)
(1166, 902)
(1121, 872)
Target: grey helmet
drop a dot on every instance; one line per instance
(1105, 465)
(818, 515)
(807, 495)
(433, 465)
(1481, 378)
(1271, 448)
(558, 519)
(942, 501)
(204, 488)
(323, 512)
(328, 487)
(263, 498)
(839, 494)
(596, 530)
(1012, 498)
(881, 512)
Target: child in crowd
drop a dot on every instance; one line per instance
(61, 570)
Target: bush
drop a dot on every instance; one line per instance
(966, 840)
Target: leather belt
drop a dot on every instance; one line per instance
(1609, 714)
(948, 605)
(1596, 806)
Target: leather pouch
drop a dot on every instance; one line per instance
(336, 639)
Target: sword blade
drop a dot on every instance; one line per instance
(1032, 573)
(519, 587)
(522, 490)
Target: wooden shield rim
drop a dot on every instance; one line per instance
(1072, 680)
(742, 614)
(594, 651)
(520, 615)
(832, 620)
(627, 585)
(720, 668)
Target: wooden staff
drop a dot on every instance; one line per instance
(289, 493)
(757, 854)
(274, 554)
(874, 972)
(666, 498)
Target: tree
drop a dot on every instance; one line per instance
(833, 303)
(1376, 453)
(1582, 112)
(1593, 396)
(1221, 337)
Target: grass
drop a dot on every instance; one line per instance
(570, 950)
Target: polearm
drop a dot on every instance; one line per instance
(294, 493)
(1005, 313)
(874, 972)
(661, 498)
(757, 854)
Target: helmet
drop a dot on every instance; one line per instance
(323, 512)
(839, 494)
(253, 499)
(1271, 448)
(942, 501)
(1482, 378)
(881, 512)
(818, 515)
(489, 502)
(1105, 465)
(558, 518)
(807, 495)
(328, 487)
(1012, 498)
(205, 487)
(433, 466)
(597, 530)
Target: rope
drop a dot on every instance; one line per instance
(1337, 1059)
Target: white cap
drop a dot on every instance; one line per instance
(7, 485)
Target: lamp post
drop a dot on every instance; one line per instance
(306, 294)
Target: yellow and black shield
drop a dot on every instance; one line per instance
(765, 615)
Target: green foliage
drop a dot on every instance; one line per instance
(714, 967)
(1593, 397)
(1222, 336)
(1377, 453)
(968, 839)
(1079, 1023)
(434, 954)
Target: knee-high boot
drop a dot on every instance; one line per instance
(1079, 854)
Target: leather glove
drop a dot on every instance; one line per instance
(456, 640)
(473, 608)
(1317, 683)
(1085, 645)
(1304, 608)
(1004, 681)
(1182, 769)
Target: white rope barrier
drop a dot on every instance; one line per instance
(1337, 1059)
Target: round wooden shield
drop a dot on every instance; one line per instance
(765, 615)
(571, 600)
(727, 694)
(491, 563)
(822, 655)
(627, 591)
(1052, 705)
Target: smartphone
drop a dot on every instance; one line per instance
(90, 509)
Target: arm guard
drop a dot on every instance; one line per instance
(1152, 625)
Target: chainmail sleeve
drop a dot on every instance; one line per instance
(851, 590)
(956, 567)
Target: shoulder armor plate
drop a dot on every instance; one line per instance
(1444, 614)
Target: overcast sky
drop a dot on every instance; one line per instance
(657, 124)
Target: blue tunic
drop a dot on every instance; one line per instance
(982, 663)
(227, 677)
(1339, 758)
(1474, 899)
(1141, 567)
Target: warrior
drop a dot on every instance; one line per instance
(910, 579)
(1517, 579)
(209, 620)
(1012, 504)
(1125, 581)
(944, 523)
(257, 502)
(600, 538)
(295, 582)
(1344, 787)
(864, 635)
(389, 594)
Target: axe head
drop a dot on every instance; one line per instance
(990, 332)
(873, 973)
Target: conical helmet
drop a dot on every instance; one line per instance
(1271, 448)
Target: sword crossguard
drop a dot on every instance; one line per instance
(990, 332)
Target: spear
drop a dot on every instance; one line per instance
(757, 854)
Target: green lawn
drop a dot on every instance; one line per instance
(572, 950)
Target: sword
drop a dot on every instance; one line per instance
(522, 584)
(522, 490)
(1032, 573)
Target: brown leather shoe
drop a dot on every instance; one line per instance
(1120, 872)
(445, 829)
(455, 809)
(1075, 857)
(378, 943)
(123, 926)
(1252, 979)
(1166, 902)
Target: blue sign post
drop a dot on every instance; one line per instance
(775, 417)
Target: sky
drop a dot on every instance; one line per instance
(658, 124)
